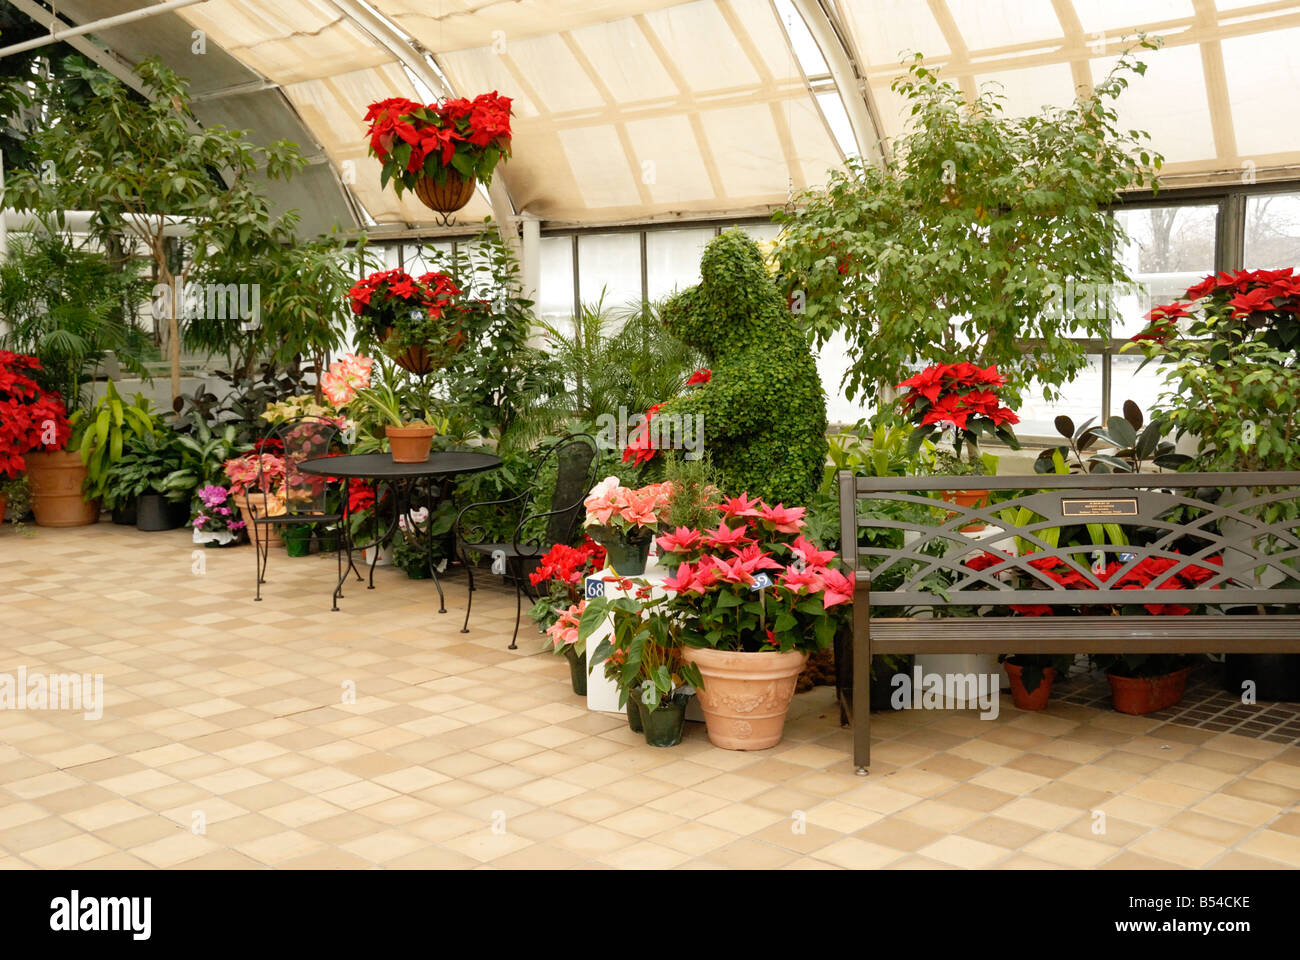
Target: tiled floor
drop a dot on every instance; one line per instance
(230, 739)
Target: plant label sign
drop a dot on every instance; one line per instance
(761, 581)
(1103, 507)
(595, 587)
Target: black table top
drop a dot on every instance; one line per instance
(379, 466)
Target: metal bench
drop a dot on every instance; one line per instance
(1239, 533)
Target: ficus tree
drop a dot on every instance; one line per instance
(151, 173)
(965, 242)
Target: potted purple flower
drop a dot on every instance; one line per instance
(216, 522)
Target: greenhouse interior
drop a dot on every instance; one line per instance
(629, 410)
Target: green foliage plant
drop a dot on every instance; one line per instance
(961, 245)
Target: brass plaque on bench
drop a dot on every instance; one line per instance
(1107, 507)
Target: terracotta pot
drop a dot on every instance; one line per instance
(968, 498)
(446, 197)
(1021, 696)
(746, 695)
(255, 531)
(418, 360)
(410, 444)
(56, 480)
(1143, 695)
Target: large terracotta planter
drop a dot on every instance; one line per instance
(1021, 696)
(1143, 695)
(968, 498)
(746, 695)
(56, 480)
(410, 444)
(257, 530)
(449, 195)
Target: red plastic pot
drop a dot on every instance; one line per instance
(1143, 695)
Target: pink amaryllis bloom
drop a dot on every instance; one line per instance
(783, 519)
(345, 377)
(741, 506)
(681, 540)
(839, 587)
(727, 538)
(809, 554)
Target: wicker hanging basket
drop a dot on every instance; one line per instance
(449, 195)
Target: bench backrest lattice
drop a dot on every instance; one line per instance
(1144, 563)
(1197, 538)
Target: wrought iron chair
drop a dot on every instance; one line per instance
(575, 463)
(300, 498)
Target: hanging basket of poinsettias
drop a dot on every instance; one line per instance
(440, 150)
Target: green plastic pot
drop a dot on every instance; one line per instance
(577, 670)
(663, 725)
(626, 557)
(297, 540)
(418, 571)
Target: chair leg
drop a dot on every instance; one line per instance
(519, 608)
(257, 561)
(469, 599)
(338, 558)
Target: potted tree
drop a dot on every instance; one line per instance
(1229, 351)
(439, 150)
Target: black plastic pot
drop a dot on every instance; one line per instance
(1276, 675)
(882, 686)
(124, 513)
(153, 511)
(577, 670)
(634, 710)
(663, 725)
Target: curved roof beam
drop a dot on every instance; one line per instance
(411, 56)
(837, 50)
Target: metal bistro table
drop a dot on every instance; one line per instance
(402, 480)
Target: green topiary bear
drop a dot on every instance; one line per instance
(764, 410)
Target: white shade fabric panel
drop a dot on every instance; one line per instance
(1219, 97)
(631, 110)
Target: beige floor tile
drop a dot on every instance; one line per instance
(1177, 847)
(1038, 813)
(1069, 851)
(853, 853)
(1272, 845)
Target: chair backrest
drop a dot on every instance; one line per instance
(290, 443)
(574, 459)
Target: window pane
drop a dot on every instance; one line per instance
(610, 262)
(1169, 249)
(1143, 387)
(1080, 400)
(673, 259)
(1272, 231)
(555, 296)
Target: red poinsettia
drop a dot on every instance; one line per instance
(1267, 300)
(1157, 573)
(961, 394)
(414, 140)
(30, 418)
